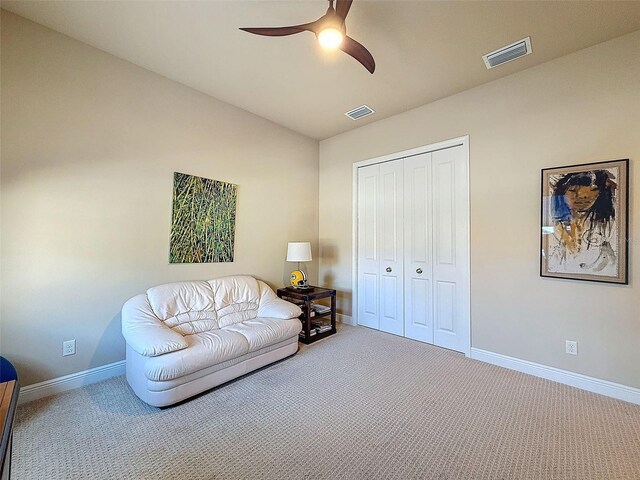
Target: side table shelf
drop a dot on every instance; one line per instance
(313, 326)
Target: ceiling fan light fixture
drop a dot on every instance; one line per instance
(330, 38)
(330, 30)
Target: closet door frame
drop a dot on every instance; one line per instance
(454, 142)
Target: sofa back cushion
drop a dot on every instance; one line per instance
(236, 298)
(186, 307)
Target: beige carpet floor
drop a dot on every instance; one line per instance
(358, 405)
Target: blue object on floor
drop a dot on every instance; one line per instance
(7, 371)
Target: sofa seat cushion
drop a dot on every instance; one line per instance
(262, 332)
(205, 349)
(176, 382)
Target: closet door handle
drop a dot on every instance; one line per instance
(388, 269)
(418, 271)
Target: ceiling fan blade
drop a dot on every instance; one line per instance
(278, 31)
(357, 51)
(342, 8)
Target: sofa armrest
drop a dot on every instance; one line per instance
(273, 307)
(278, 308)
(145, 333)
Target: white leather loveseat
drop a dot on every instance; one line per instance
(185, 338)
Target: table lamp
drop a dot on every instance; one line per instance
(299, 252)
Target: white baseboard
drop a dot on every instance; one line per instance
(345, 319)
(69, 382)
(603, 387)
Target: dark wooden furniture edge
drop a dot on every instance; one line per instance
(8, 402)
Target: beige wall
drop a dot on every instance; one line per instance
(89, 147)
(581, 108)
(90, 143)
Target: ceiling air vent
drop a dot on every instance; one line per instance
(358, 113)
(506, 54)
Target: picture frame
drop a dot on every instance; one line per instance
(584, 222)
(203, 220)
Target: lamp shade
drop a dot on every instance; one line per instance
(299, 252)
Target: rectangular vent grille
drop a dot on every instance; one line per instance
(506, 54)
(360, 112)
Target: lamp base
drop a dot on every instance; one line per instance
(300, 289)
(305, 288)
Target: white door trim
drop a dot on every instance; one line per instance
(454, 142)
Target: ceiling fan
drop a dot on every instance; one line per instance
(330, 30)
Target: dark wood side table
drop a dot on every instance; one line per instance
(315, 324)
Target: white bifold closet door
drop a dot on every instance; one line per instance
(368, 254)
(450, 249)
(418, 280)
(413, 248)
(380, 247)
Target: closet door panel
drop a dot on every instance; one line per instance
(368, 255)
(445, 295)
(418, 299)
(418, 317)
(450, 252)
(445, 219)
(391, 247)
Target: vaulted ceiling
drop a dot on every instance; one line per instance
(424, 50)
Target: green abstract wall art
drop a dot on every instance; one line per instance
(203, 223)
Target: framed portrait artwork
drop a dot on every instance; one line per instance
(585, 215)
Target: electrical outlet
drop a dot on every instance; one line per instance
(571, 347)
(68, 348)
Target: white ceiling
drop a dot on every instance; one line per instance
(424, 50)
